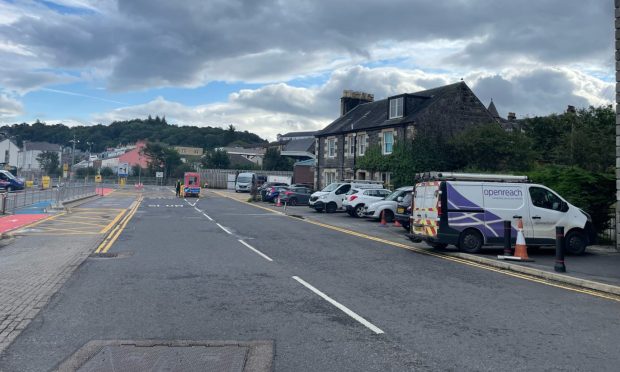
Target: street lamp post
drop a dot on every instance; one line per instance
(73, 141)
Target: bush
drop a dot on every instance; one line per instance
(106, 172)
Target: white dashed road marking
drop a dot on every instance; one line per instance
(256, 251)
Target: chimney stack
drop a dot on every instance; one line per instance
(350, 99)
(512, 116)
(571, 110)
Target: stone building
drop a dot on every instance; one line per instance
(365, 122)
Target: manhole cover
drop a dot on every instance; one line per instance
(95, 356)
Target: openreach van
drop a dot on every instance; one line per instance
(330, 198)
(469, 210)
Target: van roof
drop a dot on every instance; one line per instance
(452, 176)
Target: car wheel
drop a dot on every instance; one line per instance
(405, 226)
(359, 211)
(470, 241)
(292, 202)
(575, 243)
(389, 215)
(331, 207)
(9, 188)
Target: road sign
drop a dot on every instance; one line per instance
(45, 180)
(123, 169)
(65, 167)
(159, 174)
(98, 178)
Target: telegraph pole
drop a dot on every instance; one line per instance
(74, 141)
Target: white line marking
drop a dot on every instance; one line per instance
(197, 210)
(256, 251)
(223, 228)
(340, 306)
(210, 219)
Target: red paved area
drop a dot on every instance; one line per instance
(8, 223)
(104, 191)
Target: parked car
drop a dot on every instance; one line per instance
(358, 199)
(273, 193)
(266, 186)
(403, 211)
(387, 205)
(296, 195)
(469, 210)
(9, 182)
(330, 198)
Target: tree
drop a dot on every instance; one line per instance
(274, 161)
(161, 158)
(106, 172)
(373, 160)
(49, 162)
(216, 159)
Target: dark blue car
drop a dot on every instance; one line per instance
(9, 182)
(272, 193)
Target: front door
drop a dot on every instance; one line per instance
(545, 213)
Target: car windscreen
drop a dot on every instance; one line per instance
(9, 175)
(393, 196)
(331, 187)
(244, 179)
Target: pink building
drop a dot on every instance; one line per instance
(134, 157)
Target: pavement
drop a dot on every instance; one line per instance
(41, 253)
(328, 300)
(598, 269)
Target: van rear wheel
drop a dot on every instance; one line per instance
(331, 207)
(470, 241)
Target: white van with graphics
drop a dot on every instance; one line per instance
(469, 210)
(330, 198)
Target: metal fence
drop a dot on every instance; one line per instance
(218, 178)
(12, 201)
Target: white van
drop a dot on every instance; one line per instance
(243, 183)
(330, 198)
(469, 210)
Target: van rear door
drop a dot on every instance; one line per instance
(425, 216)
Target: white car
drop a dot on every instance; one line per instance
(387, 205)
(357, 199)
(331, 197)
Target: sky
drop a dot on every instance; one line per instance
(275, 66)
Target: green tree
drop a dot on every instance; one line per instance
(49, 162)
(106, 172)
(216, 159)
(179, 171)
(161, 158)
(373, 160)
(273, 160)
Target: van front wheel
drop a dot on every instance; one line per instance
(331, 207)
(576, 243)
(470, 241)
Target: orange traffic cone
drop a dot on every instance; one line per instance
(520, 246)
(383, 223)
(396, 223)
(279, 203)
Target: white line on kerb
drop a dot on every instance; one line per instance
(340, 306)
(210, 219)
(223, 228)
(256, 251)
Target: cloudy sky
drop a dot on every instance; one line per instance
(273, 66)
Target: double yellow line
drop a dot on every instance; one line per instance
(116, 232)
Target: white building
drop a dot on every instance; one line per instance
(110, 163)
(27, 157)
(9, 152)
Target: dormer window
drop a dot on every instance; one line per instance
(396, 108)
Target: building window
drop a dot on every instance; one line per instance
(330, 177)
(352, 145)
(361, 144)
(331, 147)
(388, 142)
(396, 108)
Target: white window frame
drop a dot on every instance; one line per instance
(385, 142)
(361, 144)
(396, 108)
(331, 147)
(351, 149)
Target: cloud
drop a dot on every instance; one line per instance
(9, 107)
(149, 43)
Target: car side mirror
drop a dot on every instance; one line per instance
(399, 199)
(564, 206)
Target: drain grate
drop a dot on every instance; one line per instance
(104, 255)
(297, 216)
(151, 355)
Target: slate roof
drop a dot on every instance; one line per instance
(41, 146)
(299, 134)
(304, 144)
(375, 114)
(236, 159)
(493, 110)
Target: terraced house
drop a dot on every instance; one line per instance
(364, 122)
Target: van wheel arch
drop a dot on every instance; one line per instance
(471, 240)
(573, 246)
(331, 207)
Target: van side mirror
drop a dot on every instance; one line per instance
(564, 207)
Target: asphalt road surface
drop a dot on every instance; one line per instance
(225, 270)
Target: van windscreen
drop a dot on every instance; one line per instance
(244, 179)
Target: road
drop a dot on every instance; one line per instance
(224, 270)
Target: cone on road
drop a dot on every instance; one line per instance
(396, 223)
(520, 246)
(279, 203)
(383, 223)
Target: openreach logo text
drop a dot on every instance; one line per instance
(503, 192)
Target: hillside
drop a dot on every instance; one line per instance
(126, 132)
